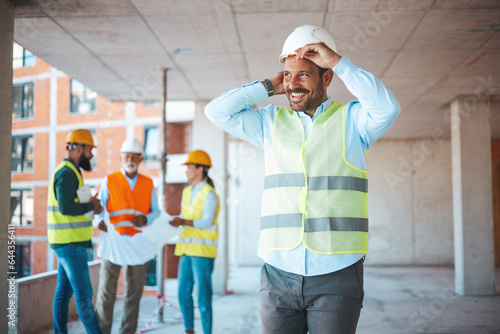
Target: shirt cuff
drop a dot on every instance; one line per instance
(257, 90)
(151, 217)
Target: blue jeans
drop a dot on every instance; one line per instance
(196, 269)
(73, 276)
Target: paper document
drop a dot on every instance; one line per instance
(129, 250)
(84, 194)
(160, 232)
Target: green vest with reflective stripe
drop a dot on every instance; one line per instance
(194, 241)
(64, 229)
(312, 194)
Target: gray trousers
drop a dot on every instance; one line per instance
(106, 295)
(323, 304)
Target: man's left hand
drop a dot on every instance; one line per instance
(320, 54)
(139, 220)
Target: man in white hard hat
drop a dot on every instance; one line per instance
(314, 219)
(131, 201)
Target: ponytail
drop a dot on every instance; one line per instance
(205, 175)
(210, 182)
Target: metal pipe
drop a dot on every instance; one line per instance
(163, 190)
(226, 215)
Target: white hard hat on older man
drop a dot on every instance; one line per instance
(132, 146)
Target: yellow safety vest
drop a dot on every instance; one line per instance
(312, 194)
(63, 229)
(194, 241)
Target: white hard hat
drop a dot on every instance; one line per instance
(132, 146)
(304, 35)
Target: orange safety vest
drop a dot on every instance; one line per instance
(124, 204)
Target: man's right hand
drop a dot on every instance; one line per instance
(277, 82)
(97, 204)
(102, 226)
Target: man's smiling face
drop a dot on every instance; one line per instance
(303, 84)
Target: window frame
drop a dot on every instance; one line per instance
(19, 265)
(26, 57)
(73, 109)
(20, 206)
(24, 111)
(24, 140)
(150, 162)
(151, 277)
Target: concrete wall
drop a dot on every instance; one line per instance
(35, 295)
(246, 178)
(6, 39)
(211, 139)
(410, 202)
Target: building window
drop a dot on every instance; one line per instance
(23, 207)
(22, 57)
(91, 253)
(93, 161)
(151, 273)
(22, 106)
(22, 153)
(23, 259)
(151, 145)
(83, 99)
(151, 104)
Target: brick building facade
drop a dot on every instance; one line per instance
(47, 105)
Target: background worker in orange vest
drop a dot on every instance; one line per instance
(197, 245)
(131, 202)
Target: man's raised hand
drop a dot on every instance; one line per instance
(320, 54)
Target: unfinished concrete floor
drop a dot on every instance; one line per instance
(398, 300)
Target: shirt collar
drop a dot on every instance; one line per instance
(77, 167)
(199, 185)
(125, 173)
(321, 109)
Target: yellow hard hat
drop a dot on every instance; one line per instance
(80, 136)
(199, 157)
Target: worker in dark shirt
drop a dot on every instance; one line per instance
(69, 228)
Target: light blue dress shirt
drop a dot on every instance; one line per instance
(367, 118)
(209, 207)
(104, 197)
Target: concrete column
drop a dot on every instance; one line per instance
(6, 40)
(211, 139)
(472, 196)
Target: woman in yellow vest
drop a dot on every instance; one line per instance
(197, 245)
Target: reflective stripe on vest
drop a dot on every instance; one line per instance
(64, 229)
(316, 183)
(126, 212)
(124, 203)
(198, 241)
(312, 194)
(66, 226)
(193, 241)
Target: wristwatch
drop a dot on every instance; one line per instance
(269, 87)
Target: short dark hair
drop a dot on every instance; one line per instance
(321, 70)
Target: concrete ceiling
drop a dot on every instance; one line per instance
(427, 52)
